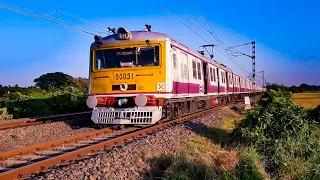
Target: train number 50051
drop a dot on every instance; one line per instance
(124, 76)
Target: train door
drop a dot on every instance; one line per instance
(181, 75)
(218, 79)
(184, 89)
(205, 78)
(227, 79)
(175, 72)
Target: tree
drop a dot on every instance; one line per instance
(81, 83)
(54, 80)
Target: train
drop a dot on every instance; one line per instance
(147, 77)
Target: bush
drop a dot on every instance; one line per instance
(4, 115)
(66, 100)
(282, 133)
(315, 114)
(249, 166)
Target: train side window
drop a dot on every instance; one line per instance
(182, 71)
(199, 70)
(194, 67)
(174, 58)
(222, 79)
(214, 74)
(211, 75)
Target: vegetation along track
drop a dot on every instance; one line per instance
(11, 124)
(19, 163)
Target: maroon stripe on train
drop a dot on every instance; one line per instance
(185, 88)
(212, 89)
(179, 88)
(223, 89)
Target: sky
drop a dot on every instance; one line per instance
(286, 35)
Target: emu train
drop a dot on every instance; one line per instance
(145, 77)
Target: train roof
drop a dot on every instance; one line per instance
(150, 35)
(135, 36)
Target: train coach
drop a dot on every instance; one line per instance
(142, 77)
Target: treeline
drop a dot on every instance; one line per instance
(296, 89)
(53, 93)
(304, 88)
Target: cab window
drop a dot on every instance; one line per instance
(127, 57)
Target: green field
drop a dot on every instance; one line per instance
(308, 100)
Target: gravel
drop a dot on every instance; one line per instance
(27, 136)
(133, 160)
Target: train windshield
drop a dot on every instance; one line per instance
(127, 57)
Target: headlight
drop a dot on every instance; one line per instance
(141, 100)
(92, 101)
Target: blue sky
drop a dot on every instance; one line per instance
(286, 34)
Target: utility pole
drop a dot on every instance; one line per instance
(235, 53)
(254, 62)
(263, 80)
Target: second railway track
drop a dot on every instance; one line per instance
(22, 162)
(24, 122)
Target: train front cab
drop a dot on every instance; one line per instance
(126, 82)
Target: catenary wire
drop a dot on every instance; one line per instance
(198, 34)
(198, 11)
(42, 18)
(205, 22)
(17, 8)
(67, 14)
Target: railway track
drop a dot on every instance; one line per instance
(11, 124)
(22, 162)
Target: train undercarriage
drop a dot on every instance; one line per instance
(171, 109)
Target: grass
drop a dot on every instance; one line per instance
(307, 100)
(221, 131)
(204, 158)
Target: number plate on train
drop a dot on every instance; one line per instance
(127, 76)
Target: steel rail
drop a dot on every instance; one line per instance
(53, 144)
(23, 122)
(102, 143)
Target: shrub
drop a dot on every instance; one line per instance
(249, 166)
(4, 115)
(66, 100)
(315, 114)
(282, 133)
